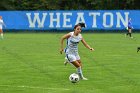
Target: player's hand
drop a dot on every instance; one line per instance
(91, 49)
(61, 51)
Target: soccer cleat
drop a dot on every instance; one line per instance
(66, 61)
(83, 78)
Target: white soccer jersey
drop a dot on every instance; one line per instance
(1, 23)
(72, 43)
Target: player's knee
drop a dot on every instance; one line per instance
(78, 65)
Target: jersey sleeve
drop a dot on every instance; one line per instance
(81, 37)
(71, 33)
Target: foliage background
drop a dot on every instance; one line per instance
(69, 4)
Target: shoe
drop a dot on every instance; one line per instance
(83, 78)
(66, 61)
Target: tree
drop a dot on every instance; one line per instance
(69, 4)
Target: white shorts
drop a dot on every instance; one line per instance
(72, 57)
(0, 27)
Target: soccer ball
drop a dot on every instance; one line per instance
(74, 78)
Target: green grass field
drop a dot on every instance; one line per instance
(31, 63)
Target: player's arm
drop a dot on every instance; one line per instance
(3, 23)
(85, 44)
(62, 41)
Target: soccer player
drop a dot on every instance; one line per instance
(129, 28)
(71, 51)
(1, 24)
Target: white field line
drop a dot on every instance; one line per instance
(117, 55)
(33, 87)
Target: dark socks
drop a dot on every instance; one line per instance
(128, 34)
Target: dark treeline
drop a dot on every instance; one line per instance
(69, 4)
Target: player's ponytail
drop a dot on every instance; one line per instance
(79, 24)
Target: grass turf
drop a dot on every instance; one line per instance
(31, 63)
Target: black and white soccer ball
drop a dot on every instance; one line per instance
(74, 78)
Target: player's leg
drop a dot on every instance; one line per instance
(66, 61)
(78, 66)
(72, 59)
(130, 31)
(79, 70)
(79, 61)
(1, 33)
(77, 58)
(127, 32)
